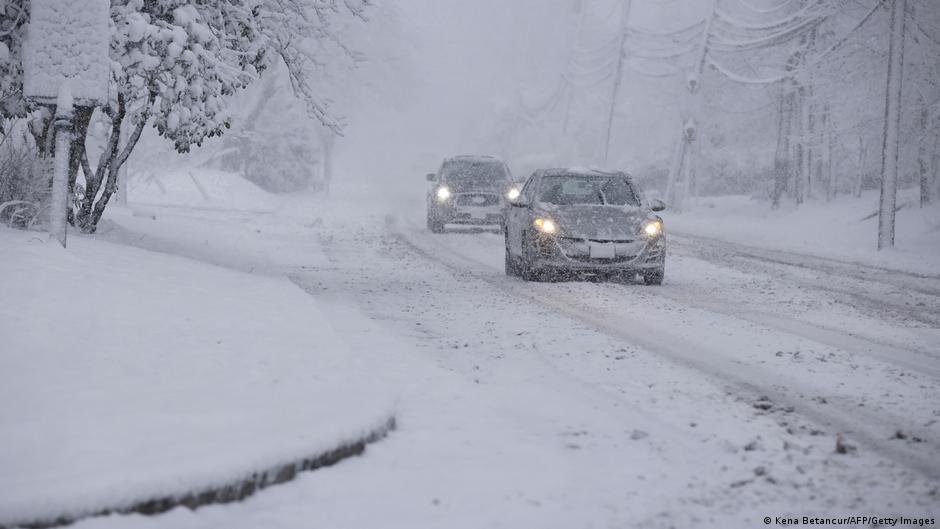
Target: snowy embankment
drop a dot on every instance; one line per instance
(128, 376)
(201, 188)
(845, 229)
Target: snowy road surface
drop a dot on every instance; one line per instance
(714, 400)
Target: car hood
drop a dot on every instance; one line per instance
(498, 187)
(597, 222)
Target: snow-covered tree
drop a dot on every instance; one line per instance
(176, 64)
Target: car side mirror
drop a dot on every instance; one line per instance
(430, 177)
(657, 204)
(520, 202)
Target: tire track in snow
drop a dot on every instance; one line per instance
(871, 429)
(908, 294)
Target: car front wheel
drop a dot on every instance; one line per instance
(512, 267)
(655, 276)
(435, 225)
(526, 270)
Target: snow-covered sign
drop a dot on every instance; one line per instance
(67, 42)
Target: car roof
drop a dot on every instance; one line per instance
(583, 171)
(473, 158)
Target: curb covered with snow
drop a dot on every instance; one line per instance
(132, 381)
(230, 492)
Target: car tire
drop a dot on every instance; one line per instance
(526, 270)
(435, 225)
(512, 266)
(654, 277)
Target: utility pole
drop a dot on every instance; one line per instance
(683, 163)
(582, 13)
(618, 74)
(892, 125)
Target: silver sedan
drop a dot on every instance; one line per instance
(584, 221)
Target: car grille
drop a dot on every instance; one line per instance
(477, 199)
(613, 241)
(586, 259)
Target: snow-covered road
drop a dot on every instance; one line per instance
(714, 400)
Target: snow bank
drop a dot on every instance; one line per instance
(68, 42)
(846, 228)
(127, 375)
(200, 188)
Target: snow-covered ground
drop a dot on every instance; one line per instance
(715, 400)
(128, 375)
(845, 228)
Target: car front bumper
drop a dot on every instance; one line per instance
(472, 215)
(570, 254)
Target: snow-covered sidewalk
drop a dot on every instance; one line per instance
(844, 229)
(128, 375)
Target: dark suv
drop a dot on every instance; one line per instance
(469, 190)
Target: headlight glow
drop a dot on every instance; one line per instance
(545, 225)
(512, 194)
(653, 228)
(443, 193)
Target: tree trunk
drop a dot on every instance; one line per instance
(824, 171)
(889, 146)
(329, 141)
(935, 168)
(923, 172)
(80, 121)
(782, 152)
(810, 140)
(94, 179)
(109, 166)
(799, 152)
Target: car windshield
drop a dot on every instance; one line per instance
(569, 190)
(469, 176)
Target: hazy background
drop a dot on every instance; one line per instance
(444, 77)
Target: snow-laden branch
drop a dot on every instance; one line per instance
(924, 32)
(841, 42)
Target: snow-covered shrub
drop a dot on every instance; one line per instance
(279, 164)
(24, 177)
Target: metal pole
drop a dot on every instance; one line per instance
(624, 24)
(577, 42)
(58, 223)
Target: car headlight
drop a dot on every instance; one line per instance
(546, 225)
(443, 193)
(512, 194)
(653, 228)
